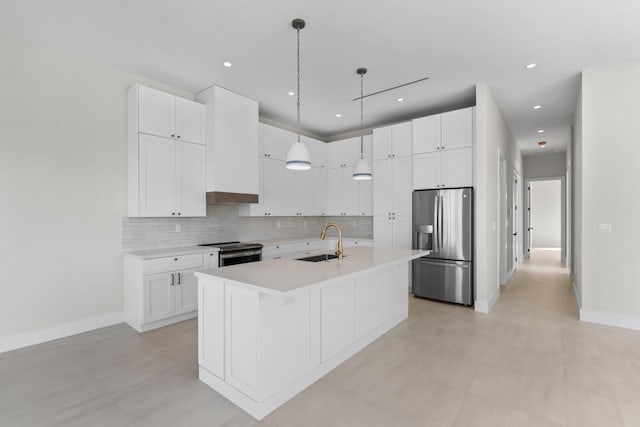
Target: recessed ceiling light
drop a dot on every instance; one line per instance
(226, 64)
(537, 107)
(400, 99)
(338, 115)
(291, 93)
(530, 66)
(540, 130)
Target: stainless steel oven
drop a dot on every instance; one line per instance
(232, 253)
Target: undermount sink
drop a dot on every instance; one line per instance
(318, 258)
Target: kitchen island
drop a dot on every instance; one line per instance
(267, 330)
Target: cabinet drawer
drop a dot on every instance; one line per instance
(179, 262)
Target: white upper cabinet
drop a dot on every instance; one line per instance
(446, 131)
(392, 141)
(166, 171)
(427, 133)
(171, 178)
(343, 153)
(190, 121)
(157, 171)
(457, 168)
(342, 192)
(271, 174)
(443, 150)
(457, 129)
(271, 142)
(156, 112)
(319, 185)
(190, 179)
(169, 116)
(297, 196)
(317, 150)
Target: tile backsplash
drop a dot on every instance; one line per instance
(223, 223)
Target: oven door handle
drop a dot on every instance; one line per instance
(240, 254)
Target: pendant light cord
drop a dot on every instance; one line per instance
(298, 91)
(361, 116)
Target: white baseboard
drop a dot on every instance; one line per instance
(610, 319)
(59, 331)
(486, 306)
(508, 277)
(576, 296)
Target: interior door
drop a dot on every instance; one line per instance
(515, 221)
(529, 227)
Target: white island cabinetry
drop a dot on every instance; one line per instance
(263, 336)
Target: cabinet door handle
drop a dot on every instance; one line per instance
(178, 136)
(173, 135)
(173, 213)
(179, 279)
(173, 279)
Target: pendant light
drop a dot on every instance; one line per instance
(298, 157)
(362, 170)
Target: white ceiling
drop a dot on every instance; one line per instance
(455, 43)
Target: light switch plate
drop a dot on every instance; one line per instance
(605, 228)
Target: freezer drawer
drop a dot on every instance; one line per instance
(443, 280)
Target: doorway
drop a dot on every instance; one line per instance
(516, 221)
(546, 219)
(503, 221)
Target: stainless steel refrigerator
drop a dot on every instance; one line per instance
(443, 223)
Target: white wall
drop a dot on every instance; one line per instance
(576, 201)
(545, 165)
(492, 134)
(607, 153)
(546, 211)
(63, 185)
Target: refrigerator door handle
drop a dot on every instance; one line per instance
(441, 222)
(436, 232)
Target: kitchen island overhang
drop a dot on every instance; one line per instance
(267, 330)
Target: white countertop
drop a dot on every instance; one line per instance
(160, 253)
(285, 275)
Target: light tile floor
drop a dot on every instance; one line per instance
(530, 362)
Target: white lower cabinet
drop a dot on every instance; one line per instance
(160, 291)
(370, 301)
(338, 315)
(398, 286)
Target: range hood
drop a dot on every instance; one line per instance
(225, 197)
(232, 146)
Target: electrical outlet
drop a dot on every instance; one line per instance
(605, 228)
(178, 228)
